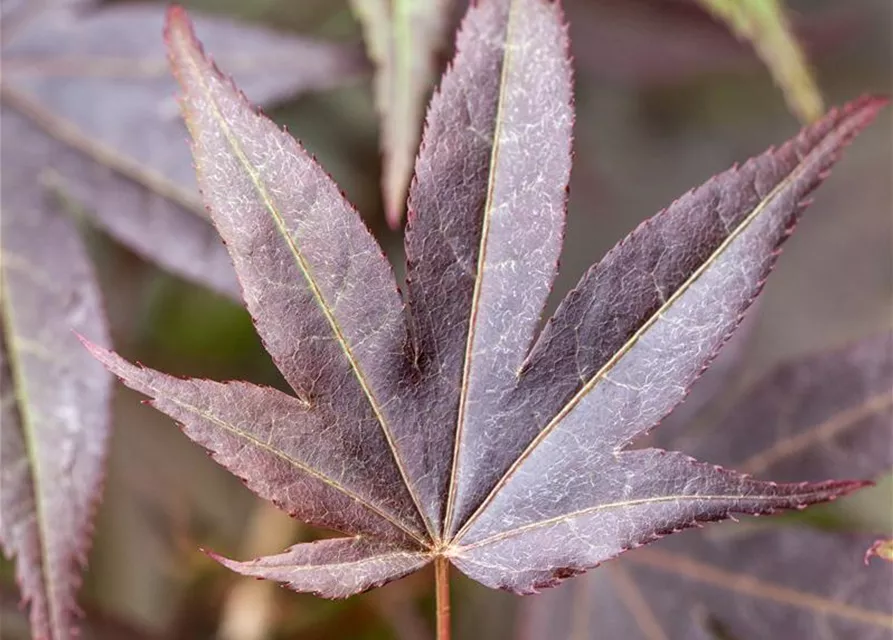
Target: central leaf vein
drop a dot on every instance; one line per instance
(479, 274)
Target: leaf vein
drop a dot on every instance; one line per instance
(331, 482)
(604, 507)
(748, 585)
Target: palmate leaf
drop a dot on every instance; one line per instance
(403, 38)
(95, 89)
(430, 428)
(825, 415)
(54, 421)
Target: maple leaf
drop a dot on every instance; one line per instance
(428, 428)
(95, 89)
(54, 415)
(823, 415)
(403, 38)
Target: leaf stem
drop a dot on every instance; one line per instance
(442, 596)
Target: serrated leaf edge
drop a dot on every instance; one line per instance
(54, 613)
(840, 487)
(113, 363)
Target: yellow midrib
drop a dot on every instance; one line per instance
(353, 563)
(458, 549)
(282, 455)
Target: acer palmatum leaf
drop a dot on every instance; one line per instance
(424, 428)
(94, 89)
(403, 38)
(54, 415)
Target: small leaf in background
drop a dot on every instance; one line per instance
(430, 428)
(825, 415)
(737, 582)
(403, 38)
(765, 25)
(55, 415)
(96, 85)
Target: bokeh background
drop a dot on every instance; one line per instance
(665, 98)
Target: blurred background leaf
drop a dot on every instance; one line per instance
(765, 25)
(403, 38)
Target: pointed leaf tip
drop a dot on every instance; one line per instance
(178, 30)
(333, 568)
(103, 355)
(176, 19)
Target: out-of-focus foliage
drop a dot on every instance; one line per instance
(94, 88)
(403, 38)
(765, 24)
(54, 414)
